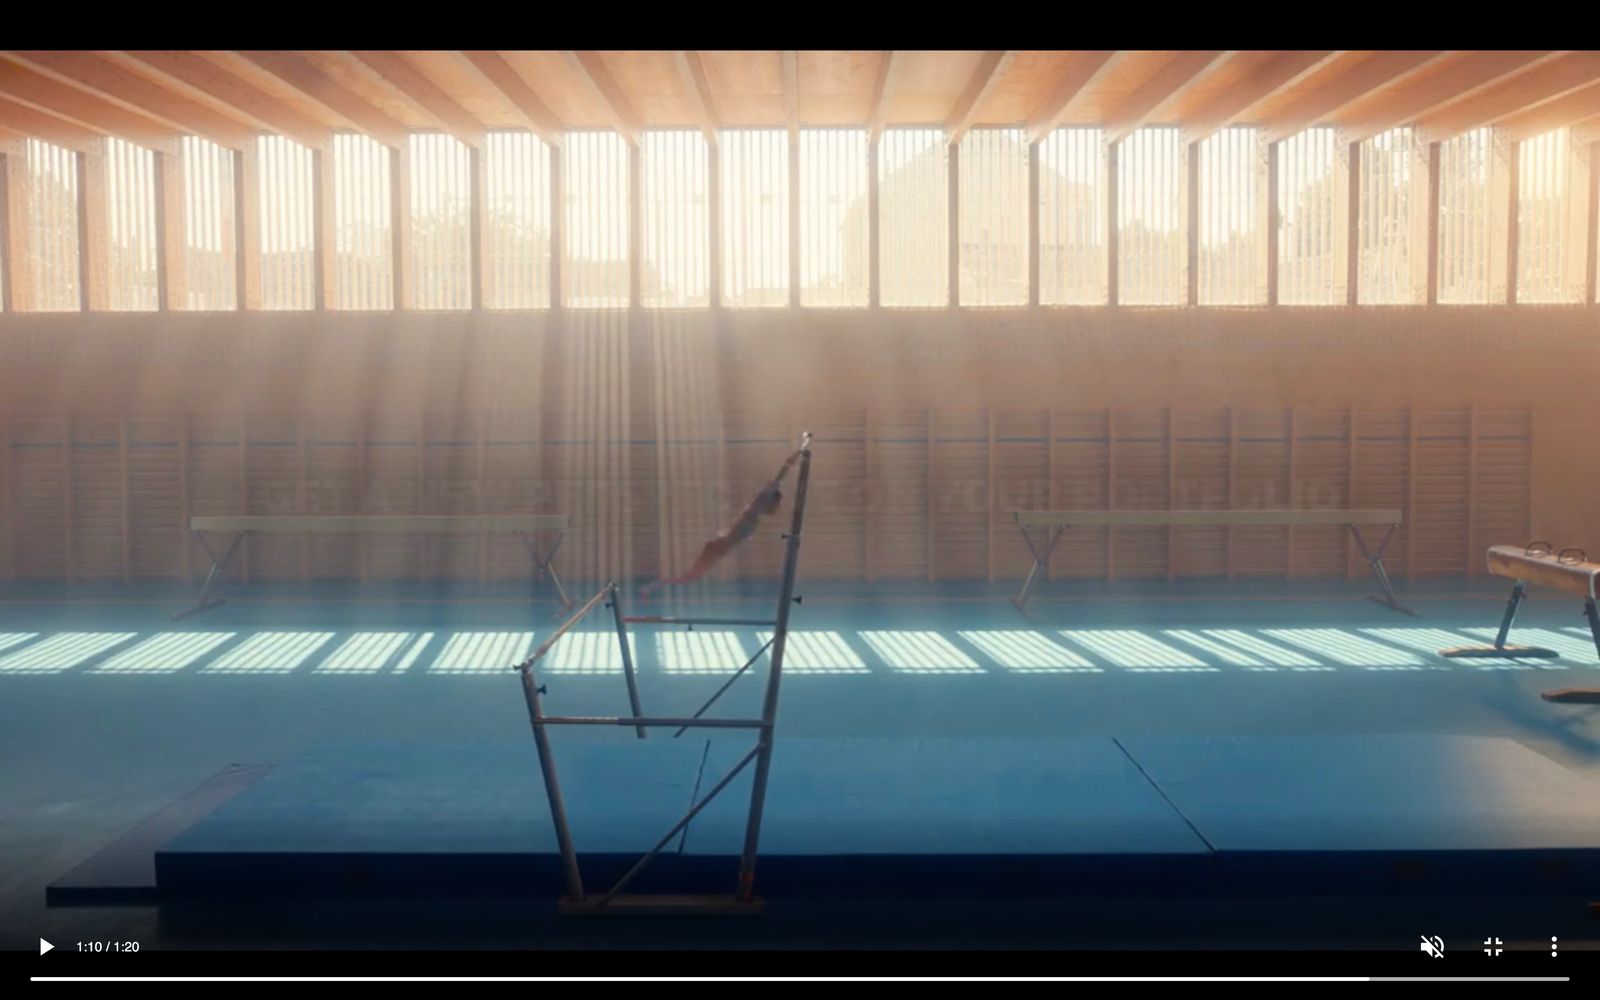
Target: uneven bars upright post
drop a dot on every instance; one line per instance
(547, 765)
(769, 709)
(627, 658)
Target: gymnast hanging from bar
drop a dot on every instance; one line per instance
(766, 503)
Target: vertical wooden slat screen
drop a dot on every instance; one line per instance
(130, 229)
(210, 228)
(1231, 191)
(284, 172)
(50, 228)
(913, 211)
(833, 218)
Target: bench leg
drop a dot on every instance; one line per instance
(1040, 562)
(542, 567)
(218, 567)
(1374, 560)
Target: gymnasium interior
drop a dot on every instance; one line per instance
(565, 501)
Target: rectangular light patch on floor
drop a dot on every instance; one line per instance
(1230, 655)
(1238, 648)
(1345, 647)
(164, 653)
(411, 655)
(363, 653)
(588, 653)
(269, 653)
(61, 653)
(1028, 652)
(484, 653)
(817, 653)
(9, 639)
(1137, 652)
(919, 653)
(701, 652)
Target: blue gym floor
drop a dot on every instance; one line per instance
(1151, 720)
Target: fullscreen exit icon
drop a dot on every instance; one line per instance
(1491, 946)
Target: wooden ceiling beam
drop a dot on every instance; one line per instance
(492, 68)
(1088, 69)
(296, 71)
(1468, 75)
(407, 83)
(28, 121)
(1175, 79)
(791, 93)
(1329, 101)
(591, 71)
(1238, 102)
(882, 91)
(100, 77)
(1574, 109)
(26, 86)
(1551, 80)
(194, 75)
(984, 77)
(693, 74)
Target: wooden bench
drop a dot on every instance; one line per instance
(1569, 571)
(1054, 523)
(524, 526)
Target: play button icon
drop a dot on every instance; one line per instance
(44, 946)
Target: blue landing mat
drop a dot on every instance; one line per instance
(1308, 814)
(1011, 818)
(963, 816)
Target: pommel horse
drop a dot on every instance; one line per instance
(1568, 570)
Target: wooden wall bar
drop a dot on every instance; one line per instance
(651, 429)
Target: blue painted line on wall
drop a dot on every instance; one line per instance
(650, 442)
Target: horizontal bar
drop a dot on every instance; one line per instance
(419, 523)
(606, 720)
(567, 625)
(1140, 518)
(667, 620)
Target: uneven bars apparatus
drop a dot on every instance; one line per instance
(743, 900)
